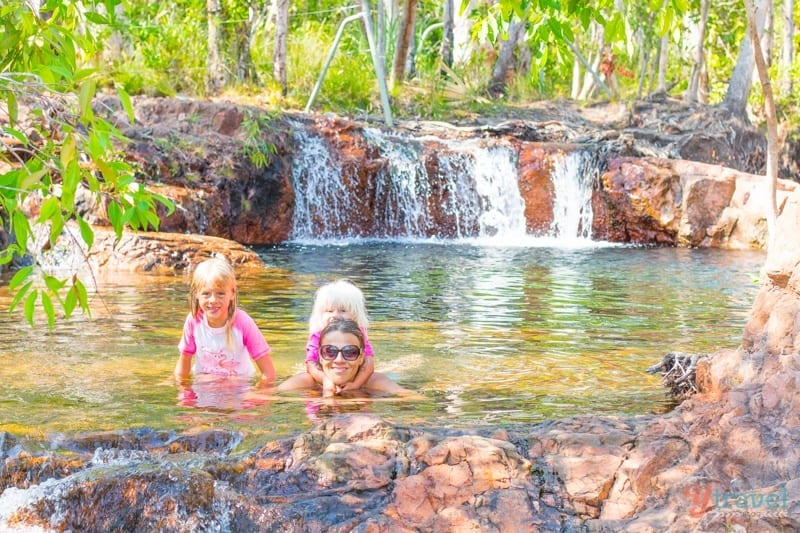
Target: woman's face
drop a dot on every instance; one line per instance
(340, 371)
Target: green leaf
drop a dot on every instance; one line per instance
(28, 181)
(125, 99)
(22, 229)
(20, 276)
(97, 18)
(20, 294)
(11, 107)
(88, 88)
(53, 283)
(18, 135)
(50, 208)
(68, 150)
(83, 298)
(30, 306)
(70, 301)
(47, 305)
(86, 231)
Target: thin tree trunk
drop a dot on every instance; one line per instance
(767, 36)
(741, 78)
(787, 47)
(215, 79)
(773, 149)
(279, 52)
(497, 84)
(591, 77)
(462, 41)
(407, 25)
(245, 70)
(643, 45)
(663, 55)
(446, 51)
(380, 12)
(576, 78)
(692, 92)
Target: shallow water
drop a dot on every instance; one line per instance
(486, 334)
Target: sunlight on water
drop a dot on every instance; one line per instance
(487, 334)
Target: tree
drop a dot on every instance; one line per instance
(446, 50)
(773, 148)
(787, 46)
(53, 145)
(693, 93)
(215, 79)
(279, 53)
(404, 36)
(741, 78)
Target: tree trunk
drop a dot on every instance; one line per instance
(497, 84)
(692, 92)
(576, 78)
(279, 52)
(215, 79)
(591, 79)
(787, 47)
(245, 70)
(463, 45)
(446, 51)
(663, 56)
(404, 35)
(381, 12)
(741, 78)
(767, 36)
(773, 149)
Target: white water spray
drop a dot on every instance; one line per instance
(476, 193)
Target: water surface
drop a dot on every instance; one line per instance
(487, 334)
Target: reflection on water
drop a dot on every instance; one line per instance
(486, 334)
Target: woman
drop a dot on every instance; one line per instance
(341, 354)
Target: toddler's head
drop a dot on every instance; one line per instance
(213, 274)
(338, 300)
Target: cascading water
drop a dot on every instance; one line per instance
(572, 206)
(473, 192)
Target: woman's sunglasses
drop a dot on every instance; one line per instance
(330, 352)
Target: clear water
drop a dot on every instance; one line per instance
(487, 334)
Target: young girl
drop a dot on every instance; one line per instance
(222, 339)
(338, 300)
(342, 355)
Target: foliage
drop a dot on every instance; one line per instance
(256, 149)
(55, 146)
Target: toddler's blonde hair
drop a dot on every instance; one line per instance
(341, 293)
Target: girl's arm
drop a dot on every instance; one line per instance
(315, 371)
(267, 369)
(183, 368)
(362, 376)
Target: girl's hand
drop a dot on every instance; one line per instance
(328, 387)
(348, 387)
(187, 397)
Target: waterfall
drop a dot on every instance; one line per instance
(473, 192)
(572, 205)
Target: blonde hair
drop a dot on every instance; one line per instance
(341, 293)
(216, 273)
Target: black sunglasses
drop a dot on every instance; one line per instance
(330, 352)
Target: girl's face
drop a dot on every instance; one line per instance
(334, 312)
(215, 300)
(340, 371)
